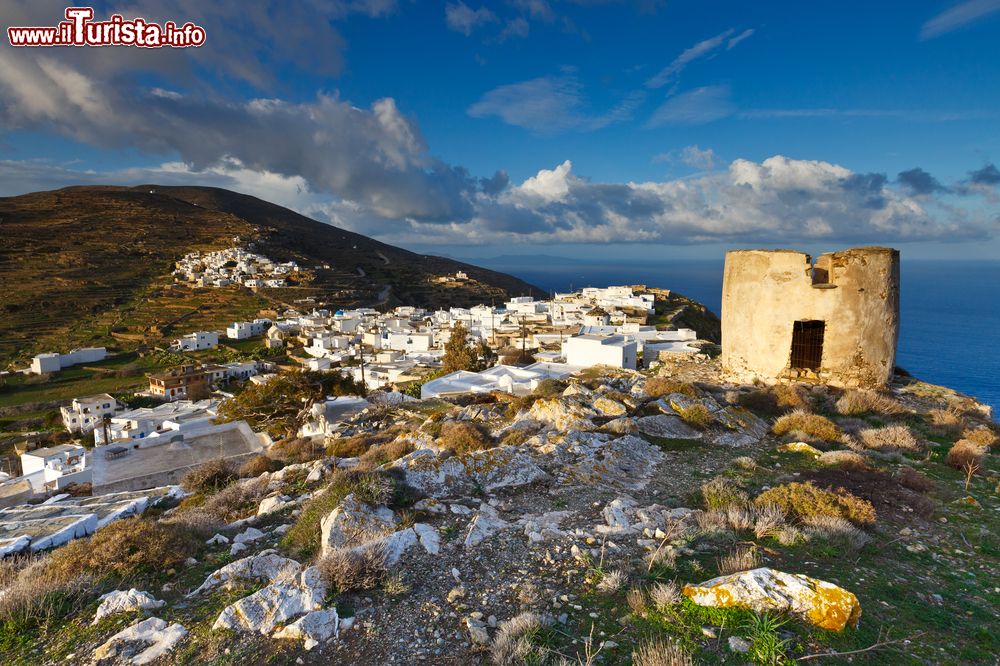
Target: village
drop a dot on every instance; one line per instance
(399, 350)
(536, 478)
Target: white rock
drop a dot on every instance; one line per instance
(484, 524)
(273, 504)
(353, 522)
(125, 601)
(250, 534)
(267, 565)
(667, 426)
(563, 414)
(274, 604)
(238, 548)
(739, 645)
(429, 538)
(152, 635)
(616, 513)
(314, 628)
(218, 540)
(502, 467)
(459, 509)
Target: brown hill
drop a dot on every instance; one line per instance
(87, 265)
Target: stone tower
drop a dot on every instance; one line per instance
(833, 322)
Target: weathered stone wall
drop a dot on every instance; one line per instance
(855, 292)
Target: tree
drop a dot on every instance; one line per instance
(279, 405)
(460, 355)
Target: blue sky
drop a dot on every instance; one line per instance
(588, 128)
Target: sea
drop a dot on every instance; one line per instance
(949, 310)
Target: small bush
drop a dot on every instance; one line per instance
(209, 477)
(612, 581)
(31, 598)
(636, 600)
(769, 519)
(836, 530)
(696, 416)
(720, 493)
(517, 436)
(811, 425)
(350, 570)
(256, 466)
(845, 460)
(854, 403)
(549, 388)
(790, 396)
(234, 502)
(659, 652)
(914, 480)
(512, 645)
(380, 454)
(805, 500)
(894, 437)
(657, 387)
(743, 558)
(983, 435)
(665, 595)
(946, 423)
(348, 447)
(965, 452)
(122, 550)
(297, 450)
(463, 437)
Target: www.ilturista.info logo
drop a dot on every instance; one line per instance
(79, 29)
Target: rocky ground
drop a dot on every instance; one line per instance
(575, 526)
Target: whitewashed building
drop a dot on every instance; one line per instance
(54, 361)
(589, 350)
(196, 341)
(84, 414)
(55, 467)
(241, 330)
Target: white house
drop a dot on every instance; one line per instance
(507, 378)
(241, 330)
(408, 341)
(196, 341)
(55, 467)
(85, 414)
(324, 416)
(54, 362)
(589, 350)
(526, 305)
(153, 422)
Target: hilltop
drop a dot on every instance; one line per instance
(85, 265)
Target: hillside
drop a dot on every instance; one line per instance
(86, 265)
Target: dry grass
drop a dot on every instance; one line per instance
(612, 581)
(512, 645)
(854, 403)
(381, 454)
(983, 435)
(209, 477)
(965, 452)
(805, 500)
(946, 422)
(657, 387)
(790, 396)
(463, 437)
(845, 460)
(257, 466)
(123, 550)
(665, 595)
(31, 599)
(742, 558)
(695, 415)
(720, 493)
(836, 530)
(893, 438)
(636, 600)
(769, 519)
(914, 480)
(811, 425)
(297, 450)
(234, 502)
(348, 447)
(739, 517)
(350, 570)
(659, 652)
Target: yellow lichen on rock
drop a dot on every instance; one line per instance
(820, 603)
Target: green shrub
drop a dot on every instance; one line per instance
(657, 387)
(805, 500)
(721, 493)
(696, 415)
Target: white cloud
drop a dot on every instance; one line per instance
(961, 15)
(692, 156)
(702, 49)
(549, 105)
(693, 107)
(462, 18)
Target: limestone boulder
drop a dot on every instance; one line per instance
(625, 462)
(485, 524)
(563, 414)
(125, 601)
(313, 628)
(606, 406)
(433, 474)
(502, 467)
(355, 522)
(267, 565)
(823, 604)
(141, 643)
(666, 426)
(274, 604)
